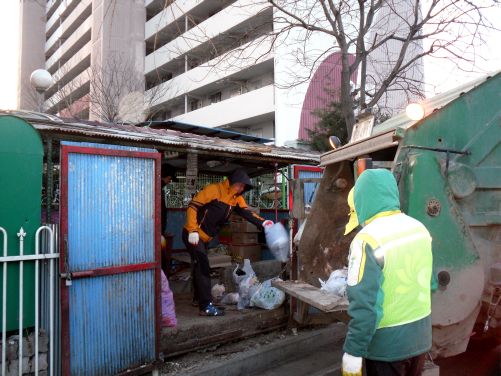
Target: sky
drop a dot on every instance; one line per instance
(9, 36)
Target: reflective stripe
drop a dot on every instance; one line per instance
(368, 239)
(381, 251)
(362, 265)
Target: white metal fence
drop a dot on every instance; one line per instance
(46, 297)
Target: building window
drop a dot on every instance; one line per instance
(215, 98)
(194, 105)
(161, 115)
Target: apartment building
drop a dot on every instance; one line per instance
(214, 63)
(75, 40)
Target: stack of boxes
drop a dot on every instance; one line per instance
(244, 239)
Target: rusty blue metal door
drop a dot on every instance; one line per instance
(109, 258)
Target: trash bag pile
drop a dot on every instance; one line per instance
(251, 293)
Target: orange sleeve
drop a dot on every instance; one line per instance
(206, 195)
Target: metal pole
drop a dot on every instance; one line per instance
(284, 191)
(51, 306)
(21, 234)
(51, 302)
(4, 303)
(49, 181)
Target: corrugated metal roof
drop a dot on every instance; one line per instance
(165, 137)
(205, 131)
(431, 105)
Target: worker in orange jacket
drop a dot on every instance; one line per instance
(206, 213)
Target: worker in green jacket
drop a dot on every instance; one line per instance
(389, 274)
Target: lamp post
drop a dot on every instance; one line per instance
(41, 80)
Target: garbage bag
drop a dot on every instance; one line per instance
(336, 284)
(268, 297)
(217, 292)
(168, 307)
(248, 287)
(247, 283)
(230, 298)
(277, 240)
(240, 273)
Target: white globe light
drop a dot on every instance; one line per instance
(415, 111)
(41, 80)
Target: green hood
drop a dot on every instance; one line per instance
(376, 191)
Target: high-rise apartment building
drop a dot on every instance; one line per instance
(214, 63)
(75, 40)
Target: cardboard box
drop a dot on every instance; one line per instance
(243, 227)
(244, 238)
(236, 218)
(241, 252)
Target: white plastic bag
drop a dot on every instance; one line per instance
(240, 273)
(246, 289)
(268, 297)
(217, 292)
(277, 240)
(336, 284)
(245, 279)
(230, 298)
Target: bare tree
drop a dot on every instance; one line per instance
(112, 92)
(452, 27)
(117, 91)
(384, 41)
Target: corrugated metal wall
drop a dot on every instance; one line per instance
(112, 323)
(111, 207)
(111, 223)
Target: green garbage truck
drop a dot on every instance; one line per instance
(448, 168)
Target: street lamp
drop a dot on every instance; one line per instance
(41, 80)
(334, 142)
(415, 111)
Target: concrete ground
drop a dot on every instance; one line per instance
(194, 332)
(311, 352)
(293, 353)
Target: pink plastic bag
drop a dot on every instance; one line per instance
(168, 307)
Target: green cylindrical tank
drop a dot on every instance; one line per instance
(21, 161)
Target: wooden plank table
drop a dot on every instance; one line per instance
(308, 295)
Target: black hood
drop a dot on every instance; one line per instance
(168, 170)
(240, 176)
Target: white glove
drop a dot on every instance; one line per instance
(193, 238)
(267, 223)
(352, 365)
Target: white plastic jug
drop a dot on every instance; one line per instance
(277, 240)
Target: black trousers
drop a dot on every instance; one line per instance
(407, 367)
(200, 271)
